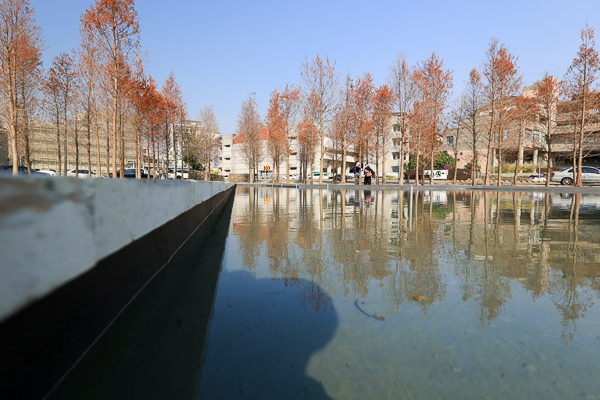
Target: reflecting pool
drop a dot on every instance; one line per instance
(392, 294)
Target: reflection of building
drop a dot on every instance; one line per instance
(487, 246)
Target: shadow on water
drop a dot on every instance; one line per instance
(156, 348)
(262, 336)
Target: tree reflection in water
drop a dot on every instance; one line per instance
(361, 243)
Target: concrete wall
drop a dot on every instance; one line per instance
(55, 229)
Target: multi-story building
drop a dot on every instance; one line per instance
(527, 142)
(234, 162)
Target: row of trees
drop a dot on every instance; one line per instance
(99, 98)
(494, 113)
(411, 112)
(356, 116)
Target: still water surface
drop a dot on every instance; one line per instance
(509, 286)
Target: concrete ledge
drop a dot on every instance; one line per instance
(55, 229)
(46, 338)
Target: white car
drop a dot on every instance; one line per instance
(49, 172)
(565, 176)
(537, 178)
(83, 173)
(180, 174)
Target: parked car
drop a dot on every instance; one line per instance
(565, 176)
(83, 173)
(180, 174)
(49, 172)
(130, 173)
(8, 170)
(537, 178)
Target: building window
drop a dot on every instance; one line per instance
(450, 140)
(293, 168)
(227, 145)
(227, 159)
(226, 170)
(396, 128)
(461, 153)
(536, 135)
(293, 154)
(396, 155)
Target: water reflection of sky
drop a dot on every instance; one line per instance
(509, 281)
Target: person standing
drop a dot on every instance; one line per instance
(368, 174)
(356, 171)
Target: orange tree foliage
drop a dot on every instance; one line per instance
(580, 86)
(249, 128)
(20, 53)
(308, 140)
(115, 25)
(362, 140)
(381, 119)
(174, 115)
(289, 101)
(435, 84)
(473, 121)
(509, 86)
(402, 83)
(341, 124)
(321, 83)
(502, 81)
(546, 98)
(277, 141)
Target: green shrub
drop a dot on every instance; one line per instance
(528, 168)
(508, 168)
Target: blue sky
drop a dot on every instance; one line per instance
(220, 51)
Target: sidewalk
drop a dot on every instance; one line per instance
(554, 187)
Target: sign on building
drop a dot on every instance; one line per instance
(437, 173)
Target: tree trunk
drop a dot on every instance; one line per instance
(76, 132)
(108, 168)
(288, 160)
(490, 141)
(431, 167)
(383, 165)
(417, 170)
(96, 127)
(519, 156)
(322, 152)
(89, 145)
(343, 175)
(114, 126)
(579, 176)
(58, 152)
(401, 165)
(66, 160)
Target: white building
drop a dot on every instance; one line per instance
(234, 163)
